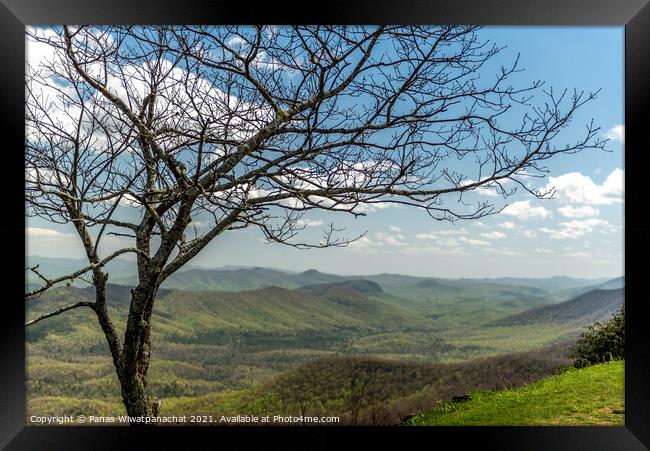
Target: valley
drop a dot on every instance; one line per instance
(245, 340)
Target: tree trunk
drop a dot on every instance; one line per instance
(134, 396)
(137, 353)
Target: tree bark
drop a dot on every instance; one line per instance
(134, 396)
(137, 351)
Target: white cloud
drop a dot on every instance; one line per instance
(347, 174)
(38, 54)
(389, 239)
(265, 62)
(394, 228)
(292, 202)
(484, 190)
(542, 250)
(429, 249)
(529, 234)
(309, 222)
(444, 237)
(39, 232)
(474, 242)
(507, 225)
(576, 188)
(453, 232)
(374, 206)
(487, 192)
(363, 243)
(523, 210)
(576, 228)
(378, 241)
(616, 133)
(503, 251)
(493, 235)
(183, 96)
(578, 212)
(580, 254)
(129, 201)
(448, 244)
(235, 41)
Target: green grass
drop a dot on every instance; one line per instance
(587, 396)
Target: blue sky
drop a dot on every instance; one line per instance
(579, 233)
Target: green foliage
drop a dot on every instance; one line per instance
(60, 405)
(369, 351)
(601, 342)
(240, 279)
(587, 396)
(366, 390)
(359, 390)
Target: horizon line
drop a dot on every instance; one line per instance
(285, 270)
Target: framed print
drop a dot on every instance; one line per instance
(394, 219)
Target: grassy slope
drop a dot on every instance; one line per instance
(588, 396)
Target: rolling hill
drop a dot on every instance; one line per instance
(361, 286)
(271, 309)
(594, 305)
(612, 284)
(239, 279)
(55, 267)
(546, 283)
(386, 314)
(279, 309)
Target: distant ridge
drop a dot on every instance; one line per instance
(594, 305)
(611, 284)
(362, 286)
(192, 314)
(238, 278)
(232, 280)
(555, 282)
(619, 282)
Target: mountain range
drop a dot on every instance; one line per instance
(238, 278)
(199, 303)
(222, 337)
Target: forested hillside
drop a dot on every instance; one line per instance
(407, 343)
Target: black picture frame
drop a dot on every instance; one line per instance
(633, 14)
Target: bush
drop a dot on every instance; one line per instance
(601, 342)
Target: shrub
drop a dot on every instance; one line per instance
(601, 342)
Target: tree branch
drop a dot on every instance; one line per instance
(51, 282)
(61, 310)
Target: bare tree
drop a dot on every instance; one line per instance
(238, 127)
(355, 395)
